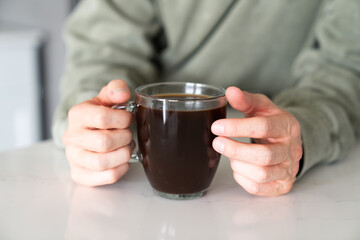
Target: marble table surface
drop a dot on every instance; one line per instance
(38, 200)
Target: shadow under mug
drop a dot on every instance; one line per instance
(174, 135)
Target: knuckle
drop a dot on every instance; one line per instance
(294, 171)
(125, 168)
(287, 188)
(267, 155)
(100, 163)
(124, 137)
(295, 128)
(288, 175)
(127, 135)
(124, 119)
(126, 153)
(250, 186)
(263, 175)
(112, 176)
(75, 112)
(237, 178)
(69, 155)
(298, 152)
(231, 151)
(254, 188)
(104, 142)
(104, 88)
(123, 155)
(74, 155)
(72, 113)
(263, 98)
(101, 119)
(263, 127)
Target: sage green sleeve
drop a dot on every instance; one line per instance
(326, 100)
(105, 40)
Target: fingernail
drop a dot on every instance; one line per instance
(119, 90)
(218, 128)
(218, 145)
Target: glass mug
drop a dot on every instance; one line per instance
(174, 135)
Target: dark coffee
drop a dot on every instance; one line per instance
(177, 148)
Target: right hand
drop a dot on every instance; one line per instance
(98, 140)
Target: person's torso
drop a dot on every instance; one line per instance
(248, 43)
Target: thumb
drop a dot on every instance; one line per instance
(116, 91)
(248, 103)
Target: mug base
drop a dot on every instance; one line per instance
(180, 196)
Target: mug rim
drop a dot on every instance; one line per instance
(138, 91)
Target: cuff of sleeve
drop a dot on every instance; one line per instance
(315, 138)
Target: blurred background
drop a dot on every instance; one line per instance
(32, 55)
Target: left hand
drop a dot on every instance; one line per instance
(269, 166)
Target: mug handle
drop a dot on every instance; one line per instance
(129, 106)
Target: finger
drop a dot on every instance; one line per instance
(248, 103)
(275, 126)
(89, 115)
(116, 91)
(270, 189)
(257, 154)
(262, 174)
(101, 141)
(98, 161)
(98, 178)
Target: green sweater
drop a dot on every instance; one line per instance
(304, 54)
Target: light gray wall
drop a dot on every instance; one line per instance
(47, 15)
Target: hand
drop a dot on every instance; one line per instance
(98, 140)
(269, 166)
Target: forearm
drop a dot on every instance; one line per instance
(327, 96)
(105, 40)
(326, 130)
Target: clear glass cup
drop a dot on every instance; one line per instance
(174, 135)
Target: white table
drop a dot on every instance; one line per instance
(38, 200)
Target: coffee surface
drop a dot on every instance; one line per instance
(180, 96)
(177, 148)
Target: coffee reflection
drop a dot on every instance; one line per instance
(165, 219)
(96, 213)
